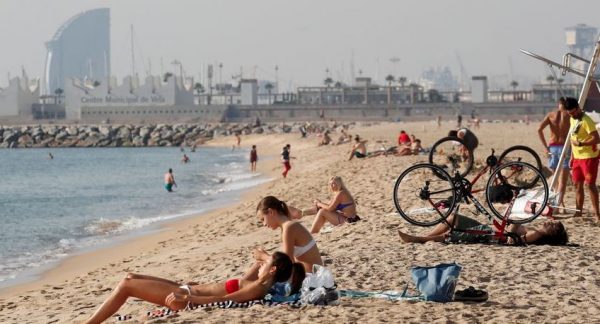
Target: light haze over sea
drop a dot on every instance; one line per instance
(89, 197)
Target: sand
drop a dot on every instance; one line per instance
(525, 284)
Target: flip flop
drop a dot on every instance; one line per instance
(471, 294)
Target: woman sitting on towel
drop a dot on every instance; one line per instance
(296, 241)
(276, 268)
(551, 232)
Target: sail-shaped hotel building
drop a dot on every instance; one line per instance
(79, 49)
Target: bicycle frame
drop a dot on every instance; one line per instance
(464, 193)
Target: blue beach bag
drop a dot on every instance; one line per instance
(437, 283)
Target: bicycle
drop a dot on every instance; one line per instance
(425, 195)
(452, 153)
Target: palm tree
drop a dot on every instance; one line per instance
(389, 79)
(199, 89)
(402, 81)
(58, 93)
(269, 88)
(167, 76)
(328, 81)
(550, 79)
(96, 84)
(514, 84)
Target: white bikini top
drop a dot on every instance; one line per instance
(300, 250)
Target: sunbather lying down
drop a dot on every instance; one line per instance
(550, 232)
(164, 292)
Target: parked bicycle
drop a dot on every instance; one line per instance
(451, 154)
(425, 195)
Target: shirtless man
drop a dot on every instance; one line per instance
(358, 149)
(170, 181)
(558, 121)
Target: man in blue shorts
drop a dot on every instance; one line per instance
(558, 123)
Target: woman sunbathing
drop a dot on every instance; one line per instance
(277, 268)
(339, 210)
(296, 241)
(550, 232)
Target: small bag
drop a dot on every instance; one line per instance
(437, 283)
(319, 288)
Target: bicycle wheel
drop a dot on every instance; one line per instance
(509, 194)
(451, 154)
(522, 153)
(424, 194)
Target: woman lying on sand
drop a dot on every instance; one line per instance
(339, 210)
(550, 233)
(276, 268)
(296, 241)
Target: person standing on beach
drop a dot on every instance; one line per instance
(459, 121)
(253, 158)
(439, 121)
(238, 141)
(170, 181)
(558, 121)
(285, 159)
(584, 155)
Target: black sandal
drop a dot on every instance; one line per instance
(471, 294)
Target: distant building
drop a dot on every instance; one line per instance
(479, 89)
(155, 99)
(580, 40)
(79, 49)
(16, 99)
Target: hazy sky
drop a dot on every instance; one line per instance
(305, 37)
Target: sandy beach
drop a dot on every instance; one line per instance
(525, 284)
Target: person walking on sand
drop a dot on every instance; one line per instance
(253, 158)
(285, 159)
(170, 181)
(558, 121)
(584, 155)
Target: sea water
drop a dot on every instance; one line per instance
(88, 197)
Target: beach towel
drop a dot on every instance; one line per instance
(388, 294)
(526, 203)
(165, 312)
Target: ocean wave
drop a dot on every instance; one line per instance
(104, 226)
(238, 185)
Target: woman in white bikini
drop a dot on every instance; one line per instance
(296, 241)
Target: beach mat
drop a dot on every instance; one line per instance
(166, 312)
